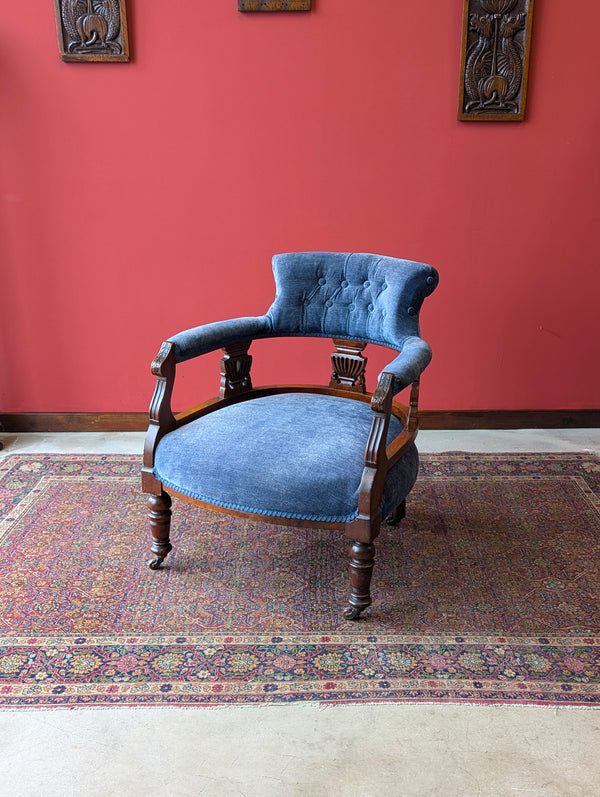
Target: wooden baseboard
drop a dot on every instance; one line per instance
(74, 422)
(509, 419)
(429, 419)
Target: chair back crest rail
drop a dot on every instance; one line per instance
(350, 296)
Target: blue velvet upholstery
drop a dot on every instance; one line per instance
(336, 295)
(354, 296)
(292, 455)
(298, 455)
(209, 337)
(301, 455)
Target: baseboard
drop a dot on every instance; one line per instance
(74, 422)
(509, 419)
(429, 419)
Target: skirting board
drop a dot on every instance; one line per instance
(429, 419)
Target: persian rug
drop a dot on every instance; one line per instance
(488, 591)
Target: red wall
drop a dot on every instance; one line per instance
(139, 199)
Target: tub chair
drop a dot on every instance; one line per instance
(330, 456)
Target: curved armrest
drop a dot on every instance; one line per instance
(208, 337)
(374, 471)
(409, 364)
(381, 404)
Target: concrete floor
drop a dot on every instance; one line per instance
(297, 750)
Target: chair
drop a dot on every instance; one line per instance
(301, 455)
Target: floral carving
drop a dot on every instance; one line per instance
(495, 58)
(92, 30)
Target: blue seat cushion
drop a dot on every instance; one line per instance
(290, 455)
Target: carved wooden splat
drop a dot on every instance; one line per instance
(495, 60)
(92, 30)
(235, 369)
(273, 5)
(349, 365)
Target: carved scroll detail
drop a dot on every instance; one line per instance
(92, 30)
(161, 418)
(381, 404)
(495, 58)
(349, 365)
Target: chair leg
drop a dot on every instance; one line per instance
(160, 525)
(396, 515)
(362, 559)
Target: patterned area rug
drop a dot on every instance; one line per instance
(487, 592)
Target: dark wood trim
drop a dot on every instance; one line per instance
(509, 419)
(74, 422)
(429, 419)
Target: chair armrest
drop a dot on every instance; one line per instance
(374, 471)
(378, 451)
(378, 456)
(409, 364)
(208, 337)
(381, 404)
(161, 417)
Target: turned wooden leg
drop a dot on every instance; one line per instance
(160, 524)
(397, 515)
(362, 559)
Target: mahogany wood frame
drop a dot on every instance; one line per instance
(236, 386)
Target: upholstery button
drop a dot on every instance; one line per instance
(351, 307)
(329, 303)
(411, 311)
(344, 283)
(367, 284)
(370, 308)
(322, 281)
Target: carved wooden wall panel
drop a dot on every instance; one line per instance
(495, 59)
(273, 5)
(92, 30)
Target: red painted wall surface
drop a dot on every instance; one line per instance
(139, 199)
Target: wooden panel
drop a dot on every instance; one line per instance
(510, 419)
(74, 422)
(495, 60)
(92, 30)
(273, 5)
(349, 365)
(428, 419)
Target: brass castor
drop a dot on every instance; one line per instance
(352, 613)
(154, 564)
